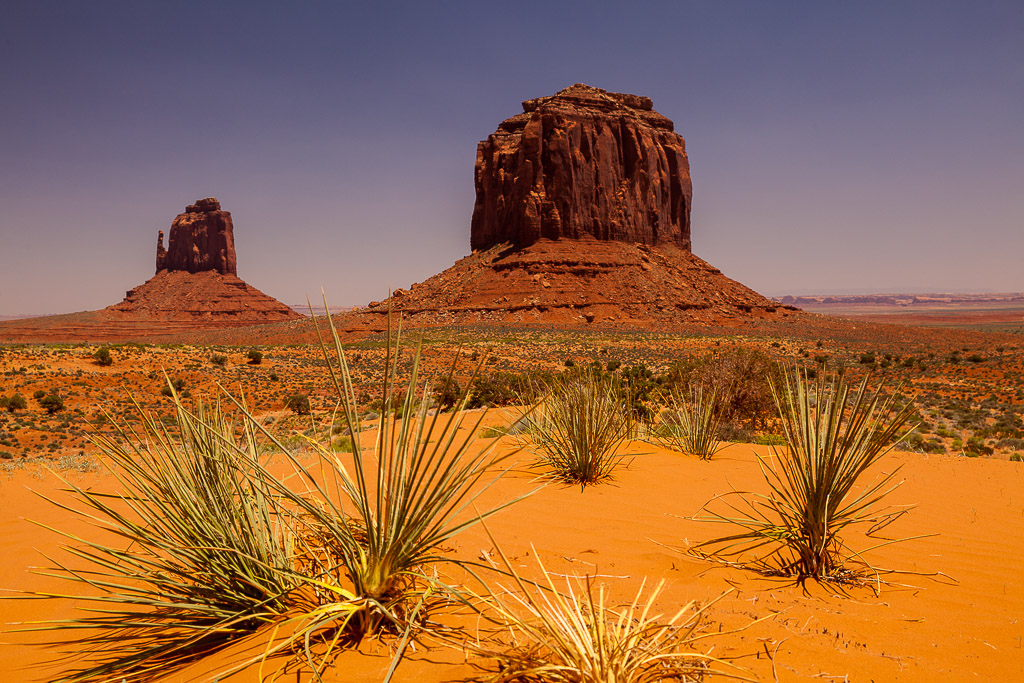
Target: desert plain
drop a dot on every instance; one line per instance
(950, 611)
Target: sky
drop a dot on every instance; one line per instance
(835, 147)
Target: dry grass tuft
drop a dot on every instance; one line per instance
(576, 636)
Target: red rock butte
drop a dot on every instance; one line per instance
(195, 288)
(583, 162)
(202, 238)
(582, 218)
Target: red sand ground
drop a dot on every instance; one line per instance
(917, 629)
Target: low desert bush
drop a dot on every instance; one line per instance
(298, 403)
(219, 359)
(815, 492)
(172, 386)
(577, 430)
(13, 403)
(370, 552)
(255, 356)
(740, 378)
(103, 357)
(692, 424)
(52, 403)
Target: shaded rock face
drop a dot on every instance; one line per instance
(583, 162)
(202, 238)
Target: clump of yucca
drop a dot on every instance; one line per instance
(815, 494)
(194, 555)
(210, 543)
(577, 430)
(691, 424)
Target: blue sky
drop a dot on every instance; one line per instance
(834, 147)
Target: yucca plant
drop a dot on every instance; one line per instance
(191, 552)
(577, 430)
(691, 424)
(369, 529)
(573, 635)
(815, 490)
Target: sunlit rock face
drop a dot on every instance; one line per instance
(582, 163)
(202, 238)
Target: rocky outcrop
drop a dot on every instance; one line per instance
(584, 162)
(201, 239)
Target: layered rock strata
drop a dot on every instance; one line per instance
(584, 162)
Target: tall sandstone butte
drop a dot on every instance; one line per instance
(583, 162)
(202, 238)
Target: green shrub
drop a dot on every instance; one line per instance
(178, 384)
(298, 404)
(103, 357)
(255, 357)
(38, 394)
(52, 403)
(218, 359)
(977, 446)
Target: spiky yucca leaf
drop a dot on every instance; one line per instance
(814, 488)
(578, 429)
(691, 426)
(192, 554)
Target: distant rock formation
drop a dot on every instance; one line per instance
(195, 288)
(202, 238)
(583, 162)
(582, 218)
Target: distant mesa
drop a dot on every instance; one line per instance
(202, 238)
(583, 162)
(195, 288)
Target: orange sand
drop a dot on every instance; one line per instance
(926, 630)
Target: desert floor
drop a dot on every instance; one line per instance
(955, 614)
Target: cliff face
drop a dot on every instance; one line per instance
(202, 238)
(583, 163)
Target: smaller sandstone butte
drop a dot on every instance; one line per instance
(202, 238)
(583, 162)
(195, 288)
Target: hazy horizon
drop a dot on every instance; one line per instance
(855, 149)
